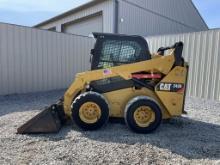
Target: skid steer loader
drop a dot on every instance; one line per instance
(125, 81)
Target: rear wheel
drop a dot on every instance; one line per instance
(143, 115)
(90, 111)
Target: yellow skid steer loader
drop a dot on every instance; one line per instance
(125, 81)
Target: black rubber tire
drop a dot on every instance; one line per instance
(90, 97)
(133, 105)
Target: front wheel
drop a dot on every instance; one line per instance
(143, 115)
(90, 111)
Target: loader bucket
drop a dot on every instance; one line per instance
(47, 121)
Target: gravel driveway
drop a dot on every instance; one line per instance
(191, 139)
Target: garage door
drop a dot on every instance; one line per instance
(85, 26)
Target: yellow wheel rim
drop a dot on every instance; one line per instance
(89, 112)
(144, 116)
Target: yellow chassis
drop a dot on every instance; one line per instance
(171, 103)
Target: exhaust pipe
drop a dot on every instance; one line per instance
(50, 120)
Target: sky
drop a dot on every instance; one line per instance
(32, 12)
(210, 11)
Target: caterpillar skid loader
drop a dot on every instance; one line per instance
(125, 81)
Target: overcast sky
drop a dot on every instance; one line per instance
(31, 12)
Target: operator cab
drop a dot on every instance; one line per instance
(112, 50)
(115, 49)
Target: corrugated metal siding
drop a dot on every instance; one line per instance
(202, 51)
(37, 60)
(156, 17)
(106, 7)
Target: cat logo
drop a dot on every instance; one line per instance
(165, 87)
(171, 87)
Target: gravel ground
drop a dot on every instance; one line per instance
(191, 139)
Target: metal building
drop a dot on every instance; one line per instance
(142, 17)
